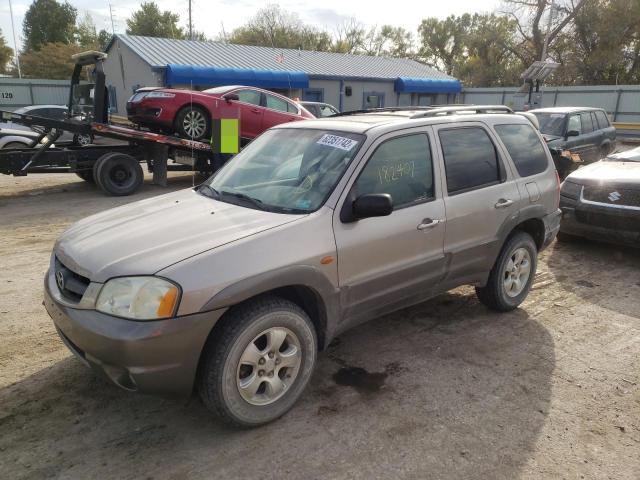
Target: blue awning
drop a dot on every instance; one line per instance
(427, 85)
(218, 76)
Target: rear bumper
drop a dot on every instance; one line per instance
(612, 225)
(551, 227)
(159, 357)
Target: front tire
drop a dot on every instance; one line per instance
(258, 365)
(512, 275)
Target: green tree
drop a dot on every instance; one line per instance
(149, 21)
(86, 34)
(6, 54)
(48, 21)
(104, 38)
(442, 42)
(52, 60)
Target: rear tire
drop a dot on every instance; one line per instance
(82, 139)
(193, 123)
(118, 174)
(508, 285)
(255, 369)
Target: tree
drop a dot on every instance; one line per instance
(274, 27)
(349, 37)
(149, 21)
(86, 34)
(52, 60)
(6, 54)
(442, 41)
(104, 38)
(48, 21)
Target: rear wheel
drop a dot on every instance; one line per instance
(193, 123)
(118, 174)
(604, 151)
(512, 275)
(83, 139)
(258, 365)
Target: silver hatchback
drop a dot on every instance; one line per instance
(234, 286)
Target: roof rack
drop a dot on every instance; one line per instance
(453, 109)
(385, 109)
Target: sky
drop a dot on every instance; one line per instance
(210, 16)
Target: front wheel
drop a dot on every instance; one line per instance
(193, 123)
(258, 365)
(512, 275)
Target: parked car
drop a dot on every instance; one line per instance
(188, 113)
(11, 138)
(55, 112)
(320, 109)
(580, 130)
(234, 286)
(602, 201)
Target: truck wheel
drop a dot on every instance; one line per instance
(193, 123)
(258, 365)
(83, 139)
(512, 275)
(118, 174)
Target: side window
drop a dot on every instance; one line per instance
(470, 159)
(401, 167)
(249, 96)
(603, 121)
(276, 103)
(327, 111)
(524, 148)
(291, 108)
(587, 126)
(574, 124)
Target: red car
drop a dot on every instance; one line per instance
(188, 113)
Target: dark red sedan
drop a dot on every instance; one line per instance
(188, 113)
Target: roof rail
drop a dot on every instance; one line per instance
(385, 109)
(453, 109)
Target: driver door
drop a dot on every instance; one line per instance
(397, 260)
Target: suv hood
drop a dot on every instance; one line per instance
(608, 172)
(144, 237)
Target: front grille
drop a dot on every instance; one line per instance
(613, 222)
(71, 284)
(623, 196)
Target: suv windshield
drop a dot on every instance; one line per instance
(551, 123)
(286, 170)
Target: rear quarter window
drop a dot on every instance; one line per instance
(603, 121)
(524, 147)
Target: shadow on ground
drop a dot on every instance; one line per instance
(445, 389)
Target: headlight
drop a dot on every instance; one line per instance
(570, 189)
(139, 298)
(160, 95)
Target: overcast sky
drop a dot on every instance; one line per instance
(211, 15)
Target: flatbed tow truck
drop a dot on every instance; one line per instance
(115, 168)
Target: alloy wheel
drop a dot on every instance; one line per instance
(517, 271)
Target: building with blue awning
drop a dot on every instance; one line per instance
(349, 82)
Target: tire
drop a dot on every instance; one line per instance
(198, 129)
(222, 373)
(604, 151)
(86, 175)
(83, 139)
(496, 294)
(14, 145)
(118, 174)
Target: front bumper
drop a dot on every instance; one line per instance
(158, 357)
(600, 223)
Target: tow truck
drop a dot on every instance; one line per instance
(114, 168)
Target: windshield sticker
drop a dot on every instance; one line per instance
(557, 115)
(303, 204)
(335, 141)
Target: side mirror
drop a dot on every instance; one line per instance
(573, 133)
(372, 205)
(231, 96)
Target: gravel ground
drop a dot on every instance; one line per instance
(445, 389)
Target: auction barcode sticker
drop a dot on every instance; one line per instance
(336, 141)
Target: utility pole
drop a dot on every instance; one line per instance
(15, 44)
(190, 23)
(113, 28)
(552, 9)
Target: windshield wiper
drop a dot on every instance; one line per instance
(208, 191)
(256, 202)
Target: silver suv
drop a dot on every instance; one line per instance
(233, 287)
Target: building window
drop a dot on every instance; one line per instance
(404, 99)
(313, 95)
(113, 101)
(372, 100)
(425, 100)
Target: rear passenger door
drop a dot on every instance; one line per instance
(251, 112)
(277, 111)
(591, 137)
(481, 195)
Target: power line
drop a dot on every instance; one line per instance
(15, 44)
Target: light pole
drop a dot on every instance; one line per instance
(15, 45)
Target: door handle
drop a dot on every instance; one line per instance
(255, 110)
(428, 223)
(504, 203)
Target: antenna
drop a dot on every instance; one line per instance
(15, 45)
(190, 23)
(113, 28)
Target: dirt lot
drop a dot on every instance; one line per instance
(445, 389)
